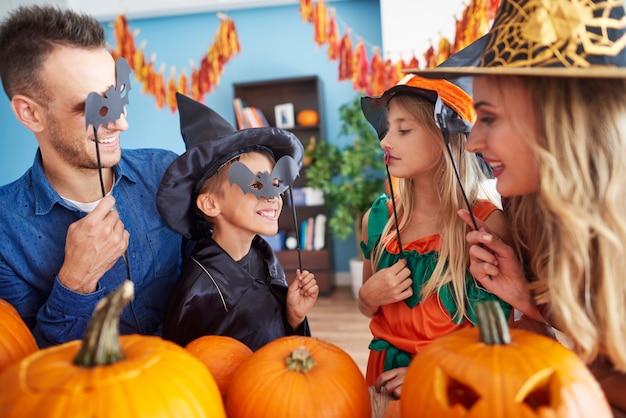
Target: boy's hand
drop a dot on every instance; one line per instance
(301, 297)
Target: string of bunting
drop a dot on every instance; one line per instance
(369, 76)
(374, 76)
(202, 79)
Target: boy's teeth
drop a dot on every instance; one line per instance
(106, 140)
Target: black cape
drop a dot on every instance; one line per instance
(216, 296)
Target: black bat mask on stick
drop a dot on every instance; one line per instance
(267, 185)
(100, 110)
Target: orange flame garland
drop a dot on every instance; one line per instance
(377, 75)
(202, 80)
(372, 76)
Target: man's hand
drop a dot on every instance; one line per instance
(93, 245)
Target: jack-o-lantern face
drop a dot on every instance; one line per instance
(531, 376)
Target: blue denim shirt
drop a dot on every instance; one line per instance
(33, 227)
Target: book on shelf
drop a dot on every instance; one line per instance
(248, 116)
(238, 105)
(254, 117)
(313, 233)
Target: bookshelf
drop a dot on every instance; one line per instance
(303, 93)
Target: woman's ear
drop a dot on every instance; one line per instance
(208, 205)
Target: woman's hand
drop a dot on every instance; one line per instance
(496, 267)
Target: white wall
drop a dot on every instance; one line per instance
(409, 27)
(135, 9)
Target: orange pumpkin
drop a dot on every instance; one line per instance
(307, 117)
(16, 340)
(298, 376)
(106, 375)
(222, 355)
(393, 409)
(489, 372)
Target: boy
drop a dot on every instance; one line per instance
(221, 193)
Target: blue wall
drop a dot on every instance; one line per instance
(275, 43)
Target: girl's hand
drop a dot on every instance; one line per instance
(389, 285)
(301, 296)
(391, 381)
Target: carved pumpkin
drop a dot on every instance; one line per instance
(307, 117)
(222, 355)
(106, 375)
(298, 376)
(393, 409)
(16, 340)
(489, 372)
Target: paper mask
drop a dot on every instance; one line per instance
(264, 184)
(100, 110)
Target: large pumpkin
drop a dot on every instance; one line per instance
(298, 376)
(16, 340)
(222, 355)
(489, 372)
(110, 376)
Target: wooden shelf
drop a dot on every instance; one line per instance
(303, 93)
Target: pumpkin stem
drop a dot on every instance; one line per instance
(300, 360)
(492, 323)
(101, 343)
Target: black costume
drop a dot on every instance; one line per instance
(214, 295)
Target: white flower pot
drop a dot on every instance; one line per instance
(356, 273)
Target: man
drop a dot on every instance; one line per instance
(64, 246)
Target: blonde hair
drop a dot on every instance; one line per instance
(453, 259)
(574, 228)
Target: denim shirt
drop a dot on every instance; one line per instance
(33, 226)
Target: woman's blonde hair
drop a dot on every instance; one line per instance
(574, 228)
(453, 258)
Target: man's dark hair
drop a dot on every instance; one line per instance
(30, 33)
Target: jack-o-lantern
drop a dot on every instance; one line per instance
(489, 372)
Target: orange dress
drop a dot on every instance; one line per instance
(402, 329)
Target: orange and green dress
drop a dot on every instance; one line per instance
(402, 329)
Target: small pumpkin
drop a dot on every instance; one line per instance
(16, 340)
(222, 355)
(491, 372)
(106, 375)
(307, 117)
(298, 376)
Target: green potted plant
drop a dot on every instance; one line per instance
(351, 177)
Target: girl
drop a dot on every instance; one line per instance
(416, 286)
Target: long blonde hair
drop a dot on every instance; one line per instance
(453, 259)
(574, 228)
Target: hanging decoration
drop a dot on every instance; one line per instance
(374, 76)
(201, 81)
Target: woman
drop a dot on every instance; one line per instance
(550, 97)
